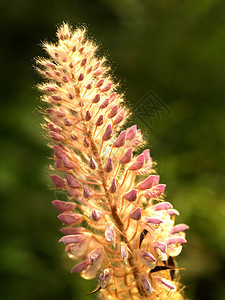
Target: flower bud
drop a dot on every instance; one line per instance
(98, 72)
(100, 83)
(146, 154)
(131, 132)
(175, 240)
(138, 164)
(81, 266)
(63, 206)
(96, 65)
(96, 214)
(56, 136)
(92, 163)
(162, 206)
(131, 196)
(119, 118)
(88, 116)
(155, 192)
(89, 85)
(56, 97)
(110, 234)
(147, 259)
(113, 96)
(160, 245)
(65, 79)
(58, 181)
(167, 283)
(179, 228)
(146, 184)
(108, 133)
(153, 220)
(54, 127)
(89, 70)
(146, 284)
(127, 157)
(113, 112)
(104, 278)
(70, 219)
(136, 214)
(173, 212)
(108, 167)
(96, 98)
(73, 136)
(113, 187)
(87, 192)
(68, 122)
(99, 122)
(107, 87)
(124, 252)
(96, 257)
(86, 143)
(68, 163)
(83, 62)
(81, 50)
(104, 104)
(73, 238)
(120, 140)
(72, 230)
(72, 182)
(81, 77)
(59, 152)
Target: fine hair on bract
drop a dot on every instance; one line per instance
(116, 222)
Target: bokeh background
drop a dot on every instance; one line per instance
(172, 48)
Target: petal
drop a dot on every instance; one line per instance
(81, 266)
(104, 278)
(147, 183)
(155, 192)
(147, 259)
(146, 284)
(160, 245)
(179, 228)
(69, 218)
(63, 206)
(173, 212)
(138, 164)
(175, 240)
(131, 132)
(162, 206)
(73, 238)
(120, 140)
(153, 220)
(119, 118)
(167, 283)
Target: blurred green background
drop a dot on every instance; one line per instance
(173, 48)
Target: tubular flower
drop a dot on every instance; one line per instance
(116, 223)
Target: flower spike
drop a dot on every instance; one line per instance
(116, 222)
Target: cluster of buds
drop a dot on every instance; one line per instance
(116, 223)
